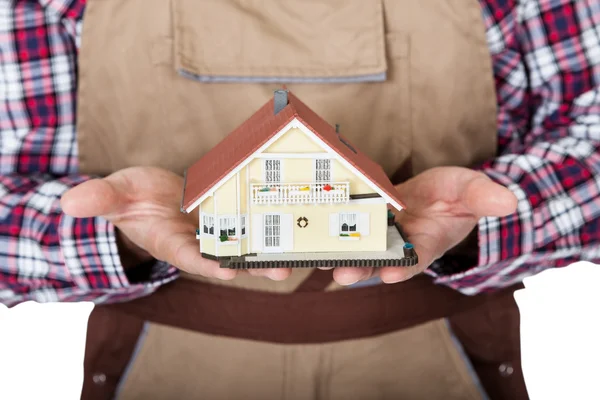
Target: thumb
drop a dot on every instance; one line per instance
(486, 198)
(92, 198)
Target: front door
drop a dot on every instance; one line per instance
(272, 233)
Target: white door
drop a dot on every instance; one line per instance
(272, 233)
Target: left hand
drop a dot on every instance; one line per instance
(143, 204)
(443, 205)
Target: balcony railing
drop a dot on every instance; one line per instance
(300, 193)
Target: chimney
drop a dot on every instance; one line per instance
(281, 100)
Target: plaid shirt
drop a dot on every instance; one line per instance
(546, 57)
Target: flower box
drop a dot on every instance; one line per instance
(350, 236)
(333, 192)
(227, 240)
(269, 193)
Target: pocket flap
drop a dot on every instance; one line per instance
(280, 40)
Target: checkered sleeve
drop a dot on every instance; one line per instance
(547, 68)
(46, 255)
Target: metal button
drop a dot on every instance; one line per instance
(506, 369)
(99, 378)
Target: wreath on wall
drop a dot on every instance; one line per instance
(302, 222)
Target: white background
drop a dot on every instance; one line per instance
(42, 345)
(42, 350)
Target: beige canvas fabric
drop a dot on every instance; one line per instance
(392, 366)
(409, 81)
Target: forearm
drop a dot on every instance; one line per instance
(557, 221)
(547, 74)
(50, 256)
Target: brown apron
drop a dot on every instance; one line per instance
(409, 81)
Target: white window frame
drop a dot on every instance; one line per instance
(272, 249)
(208, 220)
(244, 225)
(227, 222)
(344, 217)
(266, 174)
(327, 170)
(230, 222)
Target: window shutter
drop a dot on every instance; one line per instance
(257, 232)
(287, 232)
(364, 224)
(334, 224)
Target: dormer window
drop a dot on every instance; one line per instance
(323, 170)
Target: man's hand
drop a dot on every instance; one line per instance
(143, 204)
(443, 205)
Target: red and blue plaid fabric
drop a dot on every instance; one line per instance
(546, 57)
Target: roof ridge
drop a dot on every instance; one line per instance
(256, 131)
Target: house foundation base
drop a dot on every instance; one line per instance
(398, 254)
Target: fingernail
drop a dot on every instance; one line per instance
(225, 275)
(349, 283)
(275, 276)
(401, 279)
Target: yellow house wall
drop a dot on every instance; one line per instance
(315, 236)
(294, 141)
(342, 174)
(302, 170)
(226, 198)
(208, 205)
(229, 250)
(207, 245)
(243, 191)
(226, 204)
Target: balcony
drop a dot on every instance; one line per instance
(300, 193)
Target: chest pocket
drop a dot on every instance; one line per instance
(318, 41)
(409, 81)
(335, 55)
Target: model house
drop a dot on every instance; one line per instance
(286, 188)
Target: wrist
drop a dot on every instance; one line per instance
(130, 254)
(468, 247)
(461, 258)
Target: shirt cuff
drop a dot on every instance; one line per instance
(497, 259)
(90, 254)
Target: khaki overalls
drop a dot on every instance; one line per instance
(409, 81)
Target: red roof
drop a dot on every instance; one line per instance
(245, 140)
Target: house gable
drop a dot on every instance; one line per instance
(261, 131)
(294, 141)
(347, 164)
(297, 126)
(300, 149)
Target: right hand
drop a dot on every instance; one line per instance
(143, 204)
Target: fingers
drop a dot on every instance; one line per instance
(485, 198)
(431, 238)
(276, 274)
(426, 248)
(184, 254)
(111, 194)
(181, 250)
(455, 190)
(351, 275)
(92, 198)
(431, 186)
